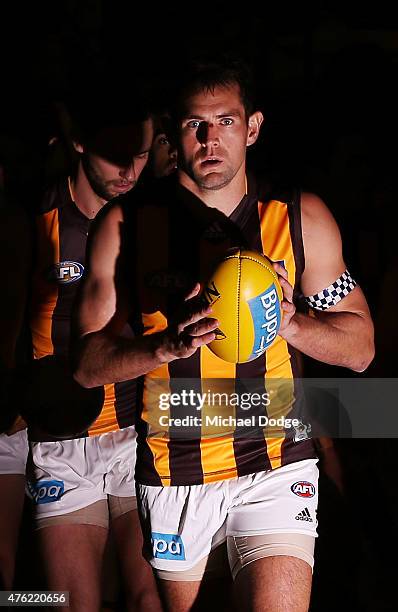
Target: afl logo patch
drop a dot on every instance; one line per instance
(66, 272)
(303, 489)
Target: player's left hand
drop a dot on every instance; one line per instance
(287, 305)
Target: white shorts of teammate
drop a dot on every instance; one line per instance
(259, 515)
(83, 480)
(13, 453)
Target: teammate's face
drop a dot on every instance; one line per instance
(163, 156)
(114, 161)
(214, 134)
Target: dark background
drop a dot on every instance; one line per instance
(326, 75)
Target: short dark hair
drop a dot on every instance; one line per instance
(92, 108)
(204, 73)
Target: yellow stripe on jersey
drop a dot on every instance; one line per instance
(277, 245)
(107, 418)
(218, 378)
(45, 294)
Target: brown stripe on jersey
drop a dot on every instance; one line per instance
(152, 261)
(146, 472)
(294, 212)
(125, 393)
(292, 451)
(44, 293)
(184, 442)
(250, 445)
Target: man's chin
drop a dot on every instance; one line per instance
(213, 181)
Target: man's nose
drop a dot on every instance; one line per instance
(127, 172)
(207, 134)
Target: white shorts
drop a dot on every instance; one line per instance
(182, 524)
(68, 475)
(14, 452)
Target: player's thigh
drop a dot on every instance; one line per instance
(72, 556)
(206, 586)
(276, 584)
(12, 498)
(12, 488)
(141, 592)
(128, 538)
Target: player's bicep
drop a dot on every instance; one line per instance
(325, 281)
(322, 246)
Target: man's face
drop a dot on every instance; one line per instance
(213, 137)
(114, 160)
(163, 156)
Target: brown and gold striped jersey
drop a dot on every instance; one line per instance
(61, 237)
(175, 240)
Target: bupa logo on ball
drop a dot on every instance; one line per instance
(303, 489)
(46, 491)
(168, 546)
(266, 314)
(66, 272)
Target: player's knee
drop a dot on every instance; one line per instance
(144, 598)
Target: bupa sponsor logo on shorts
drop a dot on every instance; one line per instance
(66, 272)
(303, 489)
(168, 546)
(46, 491)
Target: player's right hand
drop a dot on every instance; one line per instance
(191, 328)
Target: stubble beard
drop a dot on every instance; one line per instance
(214, 181)
(95, 181)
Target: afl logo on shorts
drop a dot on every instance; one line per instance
(303, 489)
(168, 546)
(66, 272)
(46, 491)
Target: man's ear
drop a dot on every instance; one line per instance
(255, 121)
(78, 147)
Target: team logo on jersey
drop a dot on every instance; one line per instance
(46, 491)
(301, 431)
(303, 488)
(66, 272)
(168, 546)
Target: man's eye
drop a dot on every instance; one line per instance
(193, 124)
(226, 121)
(163, 141)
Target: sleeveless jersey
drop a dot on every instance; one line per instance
(61, 237)
(177, 240)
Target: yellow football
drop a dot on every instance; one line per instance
(245, 296)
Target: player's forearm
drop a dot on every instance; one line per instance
(100, 359)
(341, 338)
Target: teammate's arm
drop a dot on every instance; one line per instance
(101, 355)
(343, 334)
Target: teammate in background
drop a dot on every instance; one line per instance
(15, 255)
(196, 492)
(163, 155)
(81, 484)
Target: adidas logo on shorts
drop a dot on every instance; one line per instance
(304, 515)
